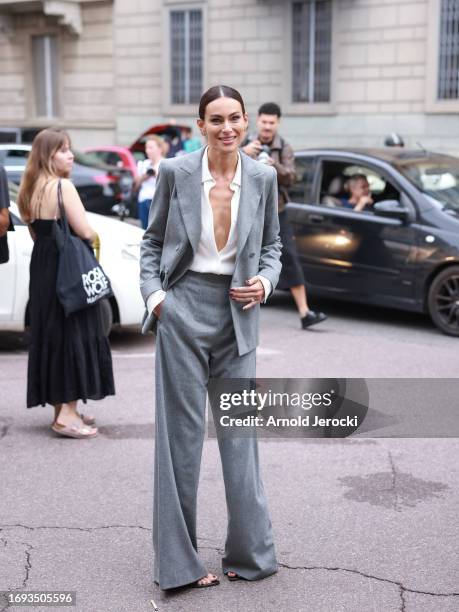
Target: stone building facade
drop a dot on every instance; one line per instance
(346, 72)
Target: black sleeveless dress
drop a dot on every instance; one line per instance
(69, 357)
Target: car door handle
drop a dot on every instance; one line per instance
(316, 218)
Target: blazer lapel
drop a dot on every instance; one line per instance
(188, 179)
(251, 190)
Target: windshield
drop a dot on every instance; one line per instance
(438, 177)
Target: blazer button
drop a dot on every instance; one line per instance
(252, 255)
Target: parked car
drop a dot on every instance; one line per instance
(121, 157)
(102, 188)
(403, 251)
(127, 157)
(119, 255)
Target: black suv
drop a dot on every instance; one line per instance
(402, 250)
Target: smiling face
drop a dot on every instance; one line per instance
(224, 124)
(63, 160)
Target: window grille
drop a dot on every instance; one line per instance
(448, 74)
(186, 56)
(311, 50)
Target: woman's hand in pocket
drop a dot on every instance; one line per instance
(154, 302)
(157, 310)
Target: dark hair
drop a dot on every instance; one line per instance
(270, 108)
(215, 92)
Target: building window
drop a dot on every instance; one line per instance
(44, 62)
(186, 56)
(448, 74)
(311, 50)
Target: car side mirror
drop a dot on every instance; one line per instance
(390, 208)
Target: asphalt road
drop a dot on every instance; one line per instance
(361, 524)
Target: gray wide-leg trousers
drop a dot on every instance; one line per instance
(196, 341)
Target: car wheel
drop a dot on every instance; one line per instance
(106, 314)
(443, 301)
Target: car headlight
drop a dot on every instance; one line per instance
(131, 251)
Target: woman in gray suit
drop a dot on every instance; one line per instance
(209, 257)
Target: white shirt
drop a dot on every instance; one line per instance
(147, 188)
(207, 257)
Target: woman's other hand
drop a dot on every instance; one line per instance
(154, 302)
(157, 310)
(250, 295)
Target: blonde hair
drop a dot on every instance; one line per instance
(162, 144)
(39, 169)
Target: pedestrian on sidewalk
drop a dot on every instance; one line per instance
(210, 255)
(147, 170)
(268, 146)
(69, 356)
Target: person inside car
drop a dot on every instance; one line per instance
(359, 197)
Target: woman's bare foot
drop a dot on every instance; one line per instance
(207, 580)
(67, 415)
(232, 574)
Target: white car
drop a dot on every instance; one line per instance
(119, 257)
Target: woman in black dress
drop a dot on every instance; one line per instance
(69, 357)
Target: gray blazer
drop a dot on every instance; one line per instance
(174, 231)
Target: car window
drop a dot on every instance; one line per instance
(96, 155)
(113, 158)
(354, 186)
(15, 158)
(437, 176)
(301, 190)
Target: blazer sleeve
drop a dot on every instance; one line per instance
(271, 247)
(151, 246)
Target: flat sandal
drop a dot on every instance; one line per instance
(75, 430)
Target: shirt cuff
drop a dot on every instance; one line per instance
(154, 299)
(266, 286)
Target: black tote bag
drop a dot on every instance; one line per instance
(81, 282)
